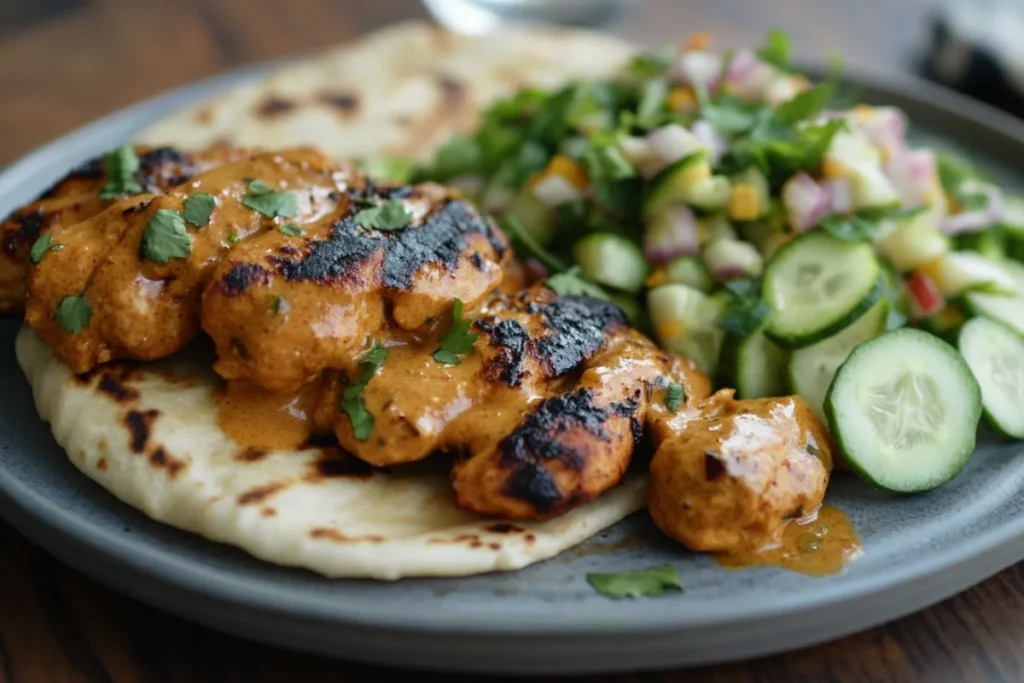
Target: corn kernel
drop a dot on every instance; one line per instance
(831, 168)
(669, 330)
(682, 100)
(658, 277)
(743, 203)
(931, 268)
(699, 40)
(568, 169)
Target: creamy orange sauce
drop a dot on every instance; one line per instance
(817, 545)
(259, 419)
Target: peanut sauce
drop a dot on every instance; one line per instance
(254, 417)
(817, 545)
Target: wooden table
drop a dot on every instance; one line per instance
(64, 62)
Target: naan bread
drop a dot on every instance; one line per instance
(149, 435)
(403, 90)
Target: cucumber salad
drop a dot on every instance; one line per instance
(786, 239)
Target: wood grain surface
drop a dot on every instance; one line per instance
(65, 62)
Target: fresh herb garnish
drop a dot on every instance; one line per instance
(864, 226)
(727, 114)
(459, 156)
(807, 104)
(604, 160)
(198, 208)
(388, 215)
(41, 246)
(165, 237)
(747, 311)
(73, 313)
(120, 167)
(458, 340)
(570, 283)
(352, 395)
(776, 50)
(392, 169)
(650, 110)
(674, 396)
(234, 238)
(291, 229)
(515, 230)
(270, 202)
(649, 583)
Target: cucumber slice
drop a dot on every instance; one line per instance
(1008, 310)
(690, 271)
(716, 228)
(708, 194)
(915, 242)
(904, 410)
(960, 271)
(760, 369)
(673, 183)
(812, 368)
(612, 260)
(818, 284)
(995, 354)
(727, 259)
(685, 321)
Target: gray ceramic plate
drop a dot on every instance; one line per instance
(544, 619)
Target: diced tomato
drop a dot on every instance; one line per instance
(924, 294)
(697, 41)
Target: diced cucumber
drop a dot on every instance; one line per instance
(960, 271)
(995, 354)
(685, 321)
(611, 260)
(817, 285)
(915, 242)
(904, 410)
(861, 162)
(714, 228)
(673, 184)
(728, 258)
(1008, 310)
(708, 194)
(760, 233)
(812, 368)
(760, 367)
(690, 271)
(533, 217)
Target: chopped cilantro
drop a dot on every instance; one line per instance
(234, 238)
(776, 50)
(807, 104)
(570, 283)
(459, 156)
(73, 313)
(165, 237)
(120, 167)
(388, 215)
(674, 396)
(198, 208)
(864, 226)
(605, 161)
(727, 114)
(650, 583)
(291, 229)
(352, 395)
(650, 110)
(41, 246)
(270, 202)
(515, 230)
(458, 340)
(747, 311)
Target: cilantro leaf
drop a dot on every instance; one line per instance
(604, 160)
(291, 229)
(459, 156)
(120, 166)
(198, 208)
(652, 583)
(41, 246)
(264, 199)
(515, 230)
(674, 396)
(570, 283)
(458, 340)
(531, 158)
(650, 110)
(727, 114)
(807, 104)
(165, 237)
(780, 150)
(864, 226)
(776, 50)
(388, 215)
(73, 313)
(747, 311)
(352, 395)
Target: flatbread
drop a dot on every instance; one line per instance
(149, 435)
(402, 90)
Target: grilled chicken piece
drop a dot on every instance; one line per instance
(544, 413)
(282, 308)
(76, 198)
(728, 474)
(144, 309)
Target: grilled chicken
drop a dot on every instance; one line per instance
(728, 474)
(77, 198)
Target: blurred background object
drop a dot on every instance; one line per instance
(477, 17)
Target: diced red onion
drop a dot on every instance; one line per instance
(710, 139)
(885, 127)
(672, 234)
(697, 66)
(840, 194)
(672, 142)
(806, 202)
(912, 174)
(554, 190)
(744, 64)
(748, 76)
(535, 270)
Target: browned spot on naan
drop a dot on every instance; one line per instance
(337, 536)
(334, 462)
(161, 460)
(250, 454)
(461, 538)
(260, 493)
(505, 528)
(529, 538)
(346, 103)
(268, 512)
(204, 116)
(116, 388)
(140, 424)
(453, 111)
(101, 464)
(494, 546)
(273, 106)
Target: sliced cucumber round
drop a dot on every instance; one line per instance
(995, 354)
(612, 260)
(760, 369)
(1008, 310)
(904, 411)
(817, 285)
(812, 368)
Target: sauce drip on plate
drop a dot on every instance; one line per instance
(817, 545)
